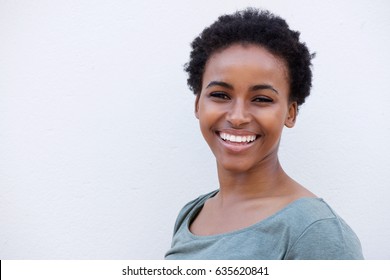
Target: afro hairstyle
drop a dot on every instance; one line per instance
(258, 27)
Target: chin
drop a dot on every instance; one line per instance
(235, 167)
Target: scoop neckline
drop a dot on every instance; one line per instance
(200, 205)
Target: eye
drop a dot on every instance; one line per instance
(262, 99)
(220, 95)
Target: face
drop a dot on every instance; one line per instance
(243, 107)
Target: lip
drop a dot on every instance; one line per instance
(235, 147)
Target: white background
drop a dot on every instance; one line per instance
(99, 147)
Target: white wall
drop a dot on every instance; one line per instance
(99, 148)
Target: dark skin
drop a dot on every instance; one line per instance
(242, 110)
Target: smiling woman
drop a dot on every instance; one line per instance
(250, 73)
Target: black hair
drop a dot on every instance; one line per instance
(259, 27)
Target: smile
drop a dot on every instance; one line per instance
(237, 138)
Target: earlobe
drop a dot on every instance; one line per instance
(197, 105)
(292, 115)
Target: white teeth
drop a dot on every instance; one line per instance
(237, 139)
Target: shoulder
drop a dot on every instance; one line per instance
(320, 232)
(308, 210)
(194, 204)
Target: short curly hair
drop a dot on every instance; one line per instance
(259, 27)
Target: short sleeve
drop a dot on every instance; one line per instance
(327, 239)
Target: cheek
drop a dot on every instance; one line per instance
(207, 121)
(208, 114)
(271, 120)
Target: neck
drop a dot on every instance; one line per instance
(265, 180)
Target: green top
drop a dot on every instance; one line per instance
(306, 229)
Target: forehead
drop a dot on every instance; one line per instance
(249, 58)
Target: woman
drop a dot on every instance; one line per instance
(250, 74)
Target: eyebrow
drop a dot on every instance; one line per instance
(264, 86)
(219, 83)
(253, 88)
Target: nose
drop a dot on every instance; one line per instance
(238, 114)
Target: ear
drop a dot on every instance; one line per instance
(197, 105)
(292, 114)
